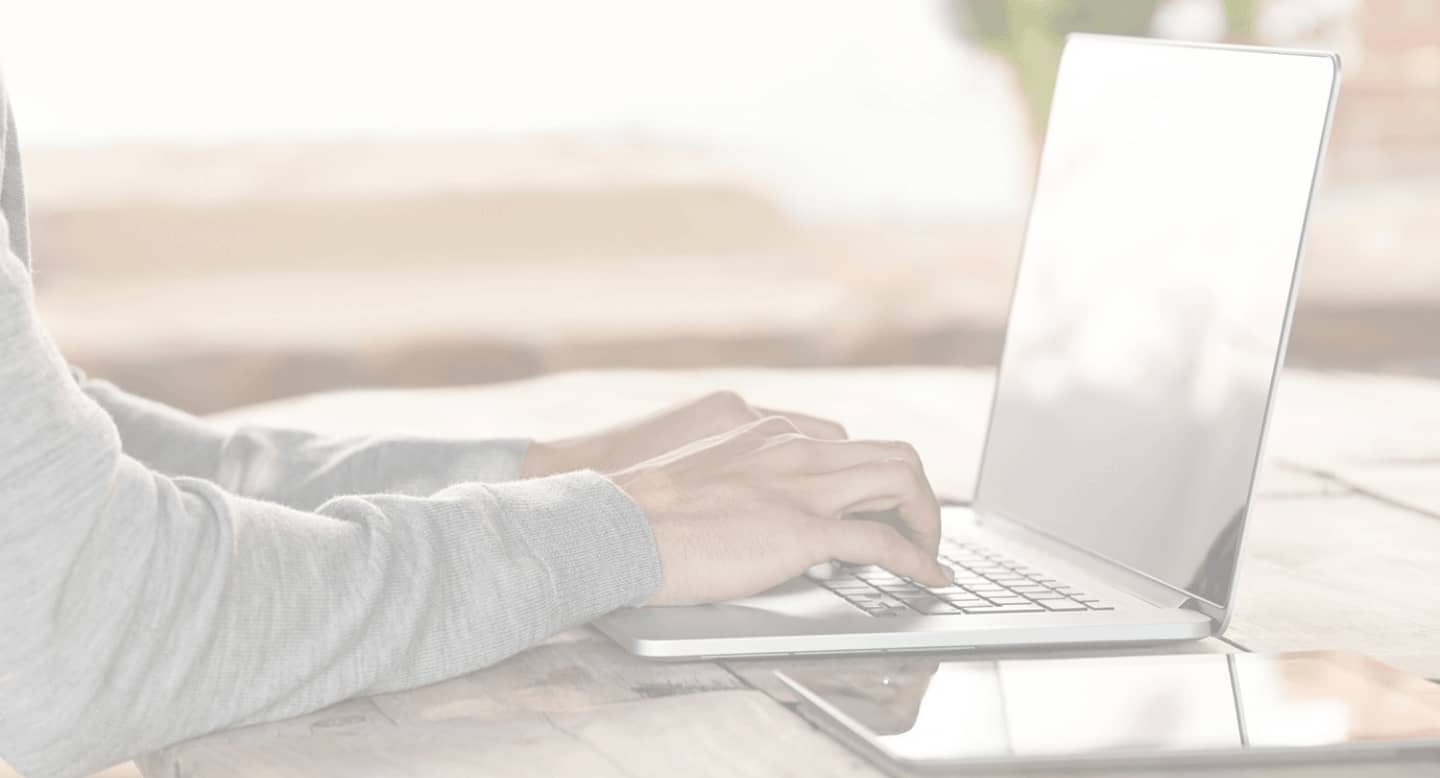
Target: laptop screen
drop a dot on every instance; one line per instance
(1152, 301)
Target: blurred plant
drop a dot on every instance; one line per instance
(1030, 33)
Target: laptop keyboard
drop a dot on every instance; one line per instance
(985, 582)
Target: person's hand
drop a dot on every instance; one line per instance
(738, 513)
(639, 440)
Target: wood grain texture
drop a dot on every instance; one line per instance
(1326, 421)
(1342, 573)
(1283, 481)
(577, 670)
(725, 733)
(124, 770)
(1407, 483)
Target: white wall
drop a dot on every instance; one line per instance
(847, 108)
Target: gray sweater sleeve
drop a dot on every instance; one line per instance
(139, 608)
(295, 468)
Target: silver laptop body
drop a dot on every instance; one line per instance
(1148, 325)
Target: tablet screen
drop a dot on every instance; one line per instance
(920, 711)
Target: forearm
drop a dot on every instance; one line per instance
(303, 470)
(140, 609)
(296, 468)
(171, 609)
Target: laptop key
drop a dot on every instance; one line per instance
(866, 589)
(937, 608)
(941, 591)
(870, 597)
(877, 580)
(1063, 605)
(895, 586)
(841, 583)
(980, 609)
(851, 583)
(875, 603)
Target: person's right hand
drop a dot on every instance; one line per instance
(744, 511)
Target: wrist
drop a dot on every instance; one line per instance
(539, 460)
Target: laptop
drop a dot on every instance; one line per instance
(1149, 320)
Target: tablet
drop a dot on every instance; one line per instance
(923, 715)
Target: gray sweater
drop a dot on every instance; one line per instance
(160, 578)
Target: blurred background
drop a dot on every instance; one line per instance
(233, 202)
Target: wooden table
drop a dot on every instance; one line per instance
(1343, 552)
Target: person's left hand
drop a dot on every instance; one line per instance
(634, 442)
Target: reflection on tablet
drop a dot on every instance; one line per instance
(1151, 704)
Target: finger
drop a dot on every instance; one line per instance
(753, 436)
(890, 484)
(733, 441)
(765, 432)
(810, 426)
(737, 440)
(798, 452)
(719, 412)
(701, 417)
(872, 543)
